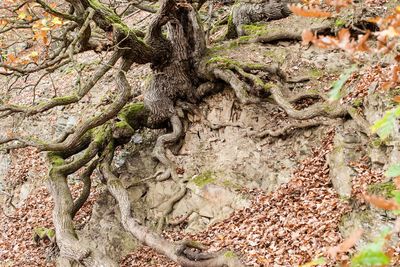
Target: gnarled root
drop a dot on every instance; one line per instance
(319, 109)
(290, 127)
(160, 153)
(187, 254)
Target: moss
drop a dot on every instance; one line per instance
(377, 142)
(203, 179)
(339, 23)
(43, 232)
(228, 63)
(267, 86)
(383, 189)
(312, 91)
(130, 111)
(55, 159)
(229, 184)
(245, 38)
(101, 134)
(229, 254)
(255, 29)
(358, 102)
(315, 73)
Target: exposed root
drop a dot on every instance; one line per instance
(160, 153)
(186, 253)
(290, 127)
(241, 88)
(87, 183)
(319, 109)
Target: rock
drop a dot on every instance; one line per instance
(5, 161)
(340, 173)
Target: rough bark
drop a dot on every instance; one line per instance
(248, 12)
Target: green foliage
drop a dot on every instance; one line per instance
(386, 126)
(335, 93)
(393, 171)
(372, 254)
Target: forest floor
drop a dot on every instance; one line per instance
(295, 223)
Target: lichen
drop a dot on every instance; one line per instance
(204, 178)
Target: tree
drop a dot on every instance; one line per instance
(183, 73)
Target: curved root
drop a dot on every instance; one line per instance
(290, 127)
(319, 109)
(188, 254)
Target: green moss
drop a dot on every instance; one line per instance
(358, 102)
(101, 134)
(229, 184)
(203, 179)
(268, 86)
(245, 38)
(229, 254)
(55, 159)
(130, 111)
(228, 63)
(312, 91)
(377, 142)
(339, 23)
(382, 189)
(255, 29)
(315, 73)
(43, 232)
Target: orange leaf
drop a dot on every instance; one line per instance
(11, 58)
(309, 12)
(396, 99)
(347, 244)
(362, 42)
(381, 202)
(397, 182)
(307, 37)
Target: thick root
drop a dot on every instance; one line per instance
(187, 253)
(325, 109)
(291, 127)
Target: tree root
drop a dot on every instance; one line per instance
(188, 254)
(240, 88)
(160, 153)
(319, 109)
(87, 183)
(290, 127)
